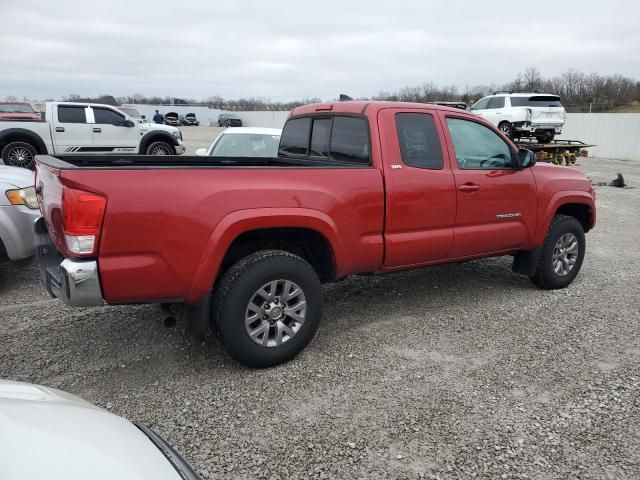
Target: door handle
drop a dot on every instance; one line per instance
(97, 130)
(59, 129)
(469, 188)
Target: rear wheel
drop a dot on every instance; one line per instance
(562, 254)
(267, 308)
(19, 154)
(159, 148)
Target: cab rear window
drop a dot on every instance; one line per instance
(339, 139)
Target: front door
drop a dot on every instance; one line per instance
(71, 130)
(111, 134)
(420, 189)
(496, 204)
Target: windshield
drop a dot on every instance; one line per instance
(132, 112)
(246, 145)
(16, 108)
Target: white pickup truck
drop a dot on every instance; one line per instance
(81, 129)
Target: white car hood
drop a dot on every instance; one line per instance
(53, 435)
(17, 177)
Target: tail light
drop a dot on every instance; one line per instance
(82, 214)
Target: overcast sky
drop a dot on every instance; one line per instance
(290, 49)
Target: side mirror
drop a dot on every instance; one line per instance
(127, 123)
(202, 152)
(525, 159)
(144, 117)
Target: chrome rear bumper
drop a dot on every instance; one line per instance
(75, 282)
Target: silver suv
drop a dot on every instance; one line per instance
(521, 115)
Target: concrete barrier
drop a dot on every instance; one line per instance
(616, 135)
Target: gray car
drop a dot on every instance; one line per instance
(18, 211)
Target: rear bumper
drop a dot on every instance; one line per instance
(537, 127)
(75, 282)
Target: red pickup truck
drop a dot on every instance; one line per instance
(357, 187)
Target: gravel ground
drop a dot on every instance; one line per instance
(458, 371)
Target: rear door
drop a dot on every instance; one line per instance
(496, 204)
(110, 134)
(419, 188)
(71, 130)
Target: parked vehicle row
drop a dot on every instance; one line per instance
(81, 129)
(243, 244)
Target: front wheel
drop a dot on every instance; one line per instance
(159, 148)
(267, 308)
(506, 128)
(19, 154)
(562, 254)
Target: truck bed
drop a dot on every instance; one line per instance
(69, 162)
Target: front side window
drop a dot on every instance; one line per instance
(477, 146)
(71, 114)
(481, 104)
(419, 143)
(106, 116)
(496, 102)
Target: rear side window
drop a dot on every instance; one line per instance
(350, 140)
(295, 138)
(518, 101)
(419, 143)
(107, 116)
(69, 114)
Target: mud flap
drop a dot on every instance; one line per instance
(526, 263)
(198, 317)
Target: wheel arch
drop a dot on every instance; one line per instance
(308, 233)
(23, 135)
(155, 136)
(577, 204)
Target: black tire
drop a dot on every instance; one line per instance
(236, 290)
(545, 276)
(159, 146)
(19, 154)
(545, 138)
(506, 128)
